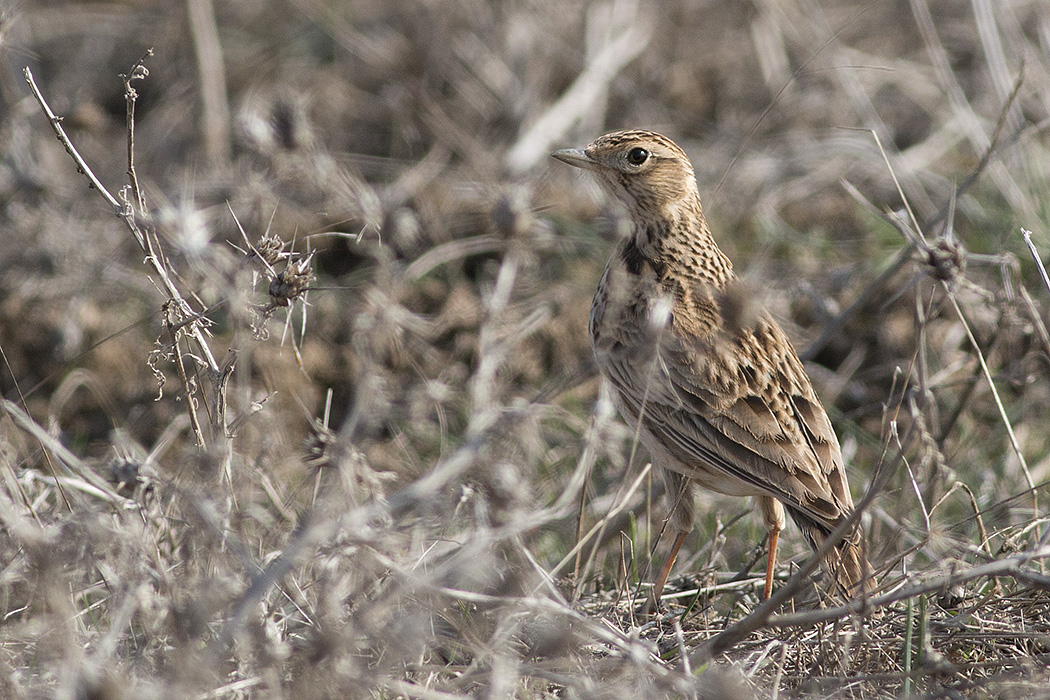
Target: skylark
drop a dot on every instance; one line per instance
(714, 386)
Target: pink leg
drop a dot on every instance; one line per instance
(658, 586)
(774, 535)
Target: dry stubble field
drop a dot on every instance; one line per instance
(313, 415)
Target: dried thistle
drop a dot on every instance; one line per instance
(269, 249)
(946, 259)
(291, 284)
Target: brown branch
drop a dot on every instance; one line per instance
(82, 166)
(1010, 567)
(137, 72)
(126, 210)
(179, 361)
(762, 616)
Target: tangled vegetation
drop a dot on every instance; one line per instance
(297, 391)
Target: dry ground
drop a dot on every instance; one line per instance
(397, 475)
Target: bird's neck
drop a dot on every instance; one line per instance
(678, 242)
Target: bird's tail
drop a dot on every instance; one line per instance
(845, 564)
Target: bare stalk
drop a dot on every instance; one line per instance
(131, 213)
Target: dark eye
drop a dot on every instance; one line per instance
(637, 156)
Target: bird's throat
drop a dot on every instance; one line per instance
(683, 247)
(637, 256)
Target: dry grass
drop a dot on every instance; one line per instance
(338, 435)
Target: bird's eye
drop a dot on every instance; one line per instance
(637, 156)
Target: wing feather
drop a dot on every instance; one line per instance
(742, 407)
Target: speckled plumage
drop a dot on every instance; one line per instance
(721, 397)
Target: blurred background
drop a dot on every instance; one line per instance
(430, 398)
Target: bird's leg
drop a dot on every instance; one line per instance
(774, 535)
(773, 515)
(658, 586)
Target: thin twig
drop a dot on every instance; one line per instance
(1035, 254)
(600, 526)
(1008, 567)
(82, 166)
(47, 454)
(998, 401)
(73, 463)
(977, 515)
(1037, 320)
(900, 190)
(993, 148)
(761, 616)
(860, 302)
(146, 238)
(137, 72)
(963, 401)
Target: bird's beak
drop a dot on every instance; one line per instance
(576, 157)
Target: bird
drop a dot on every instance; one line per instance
(711, 382)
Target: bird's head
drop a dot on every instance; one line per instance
(646, 171)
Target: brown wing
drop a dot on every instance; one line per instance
(740, 404)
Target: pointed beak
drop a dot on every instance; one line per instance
(576, 157)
